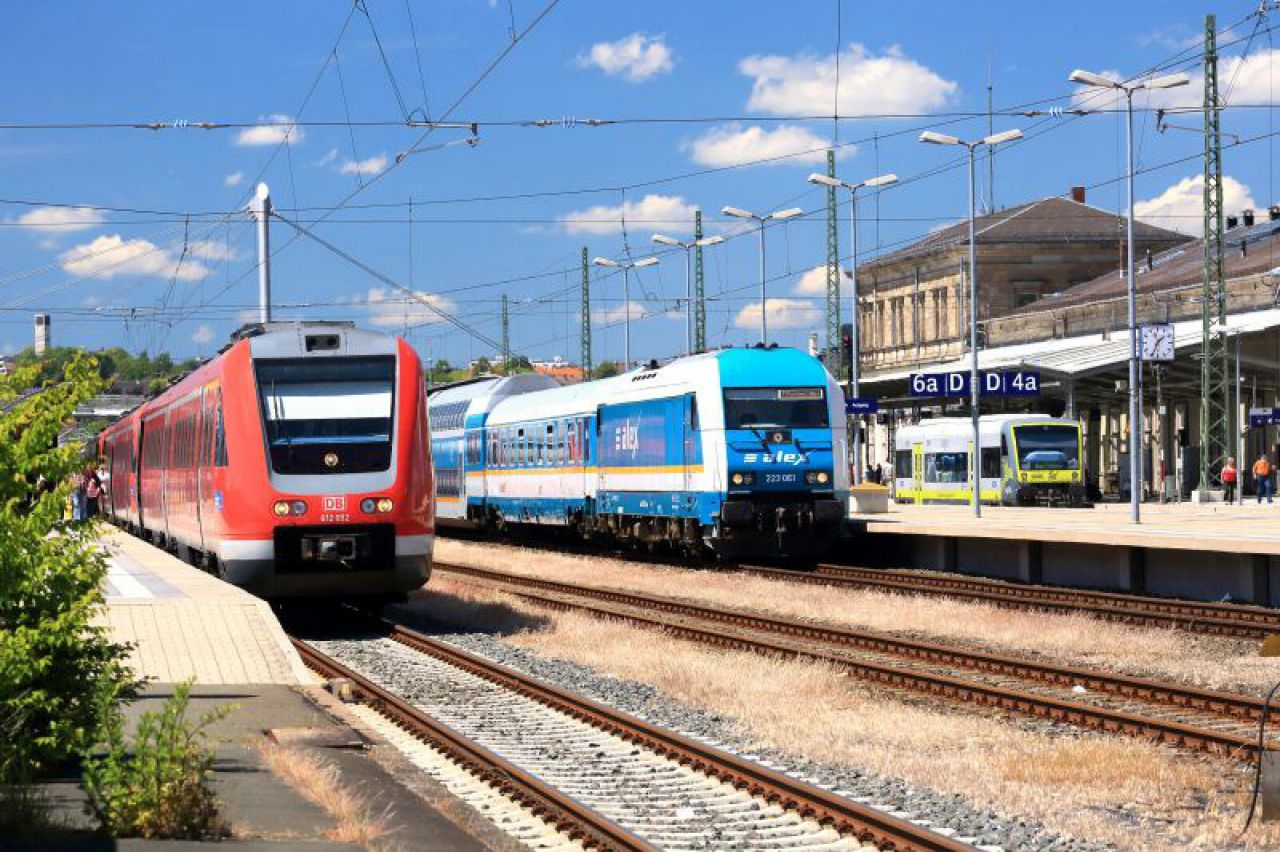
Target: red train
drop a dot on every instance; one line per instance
(297, 462)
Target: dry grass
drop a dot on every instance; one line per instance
(1129, 792)
(1065, 638)
(320, 782)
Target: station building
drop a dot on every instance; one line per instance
(1075, 332)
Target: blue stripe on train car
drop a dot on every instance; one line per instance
(537, 510)
(649, 433)
(703, 505)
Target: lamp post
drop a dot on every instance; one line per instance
(975, 390)
(688, 285)
(1097, 81)
(739, 213)
(854, 366)
(626, 266)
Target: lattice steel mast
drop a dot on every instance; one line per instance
(586, 317)
(835, 352)
(506, 338)
(1214, 382)
(699, 288)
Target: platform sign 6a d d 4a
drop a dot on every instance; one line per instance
(993, 383)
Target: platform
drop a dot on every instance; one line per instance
(1210, 551)
(185, 623)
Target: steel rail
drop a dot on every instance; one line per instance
(568, 816)
(1243, 621)
(867, 824)
(1234, 707)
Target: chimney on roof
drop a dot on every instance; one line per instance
(1247, 216)
(1232, 222)
(1077, 194)
(1273, 212)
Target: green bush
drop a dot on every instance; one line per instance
(158, 788)
(60, 675)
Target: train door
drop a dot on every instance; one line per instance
(138, 464)
(917, 471)
(689, 434)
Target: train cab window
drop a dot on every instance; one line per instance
(328, 415)
(693, 413)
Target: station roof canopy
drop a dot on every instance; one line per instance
(1083, 356)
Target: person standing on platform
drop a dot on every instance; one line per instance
(1262, 477)
(92, 493)
(1229, 477)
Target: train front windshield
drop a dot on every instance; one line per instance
(1047, 447)
(328, 415)
(792, 408)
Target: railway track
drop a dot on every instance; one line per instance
(1212, 618)
(603, 778)
(1240, 621)
(1183, 716)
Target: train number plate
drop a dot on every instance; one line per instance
(773, 478)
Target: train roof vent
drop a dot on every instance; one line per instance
(322, 342)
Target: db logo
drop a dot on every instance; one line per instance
(335, 504)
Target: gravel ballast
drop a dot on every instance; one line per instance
(952, 813)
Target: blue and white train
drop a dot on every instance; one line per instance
(740, 450)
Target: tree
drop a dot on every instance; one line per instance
(606, 369)
(60, 674)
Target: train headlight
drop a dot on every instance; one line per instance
(385, 505)
(1022, 477)
(817, 477)
(737, 479)
(280, 508)
(299, 507)
(368, 506)
(823, 477)
(743, 478)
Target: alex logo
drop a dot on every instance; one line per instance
(794, 459)
(335, 504)
(626, 438)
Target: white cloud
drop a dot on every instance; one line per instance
(274, 130)
(783, 313)
(211, 250)
(203, 336)
(111, 255)
(805, 84)
(733, 144)
(656, 211)
(233, 179)
(395, 309)
(370, 166)
(1181, 206)
(812, 283)
(618, 313)
(331, 156)
(637, 57)
(60, 219)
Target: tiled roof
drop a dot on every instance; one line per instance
(1177, 267)
(1047, 220)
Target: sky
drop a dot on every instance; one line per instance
(138, 237)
